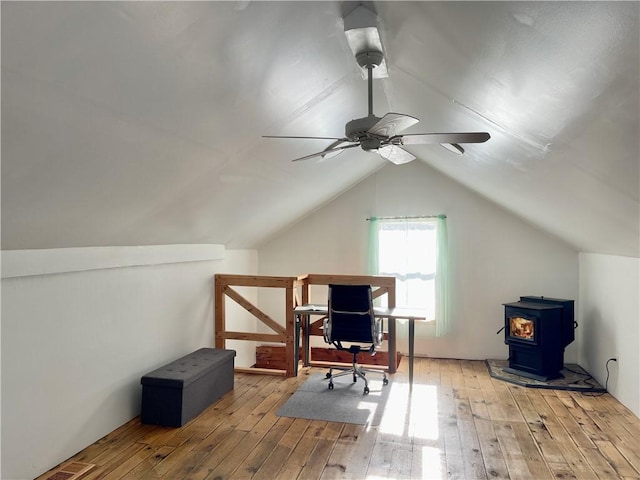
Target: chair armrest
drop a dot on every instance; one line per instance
(326, 330)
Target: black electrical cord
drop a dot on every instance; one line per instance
(586, 380)
(606, 382)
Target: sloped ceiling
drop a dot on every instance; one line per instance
(140, 123)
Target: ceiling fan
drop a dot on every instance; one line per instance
(375, 134)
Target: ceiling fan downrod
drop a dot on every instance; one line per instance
(370, 59)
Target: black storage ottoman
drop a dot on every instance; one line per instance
(177, 392)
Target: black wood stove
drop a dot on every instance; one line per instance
(537, 330)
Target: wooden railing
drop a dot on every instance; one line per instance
(282, 334)
(289, 334)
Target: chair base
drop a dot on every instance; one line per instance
(358, 372)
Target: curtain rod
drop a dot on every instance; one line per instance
(441, 215)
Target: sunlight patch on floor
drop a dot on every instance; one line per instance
(370, 407)
(431, 461)
(422, 401)
(424, 417)
(394, 420)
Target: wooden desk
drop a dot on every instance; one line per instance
(391, 314)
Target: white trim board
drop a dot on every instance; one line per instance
(24, 263)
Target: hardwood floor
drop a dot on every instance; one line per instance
(457, 422)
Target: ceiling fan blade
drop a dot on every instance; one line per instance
(305, 138)
(395, 154)
(327, 153)
(451, 138)
(453, 147)
(332, 150)
(392, 123)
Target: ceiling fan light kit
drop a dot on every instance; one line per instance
(375, 134)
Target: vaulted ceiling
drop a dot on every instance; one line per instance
(137, 123)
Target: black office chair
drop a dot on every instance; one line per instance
(351, 319)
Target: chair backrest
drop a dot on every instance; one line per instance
(351, 316)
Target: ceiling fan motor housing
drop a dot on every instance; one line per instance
(358, 131)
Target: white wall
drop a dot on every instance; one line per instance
(496, 257)
(75, 344)
(610, 323)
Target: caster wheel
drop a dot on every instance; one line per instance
(331, 386)
(385, 381)
(328, 375)
(366, 390)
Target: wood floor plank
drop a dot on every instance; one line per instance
(526, 408)
(556, 443)
(128, 433)
(478, 404)
(147, 468)
(184, 458)
(569, 423)
(184, 465)
(428, 462)
(629, 450)
(222, 459)
(453, 455)
(564, 472)
(500, 405)
(599, 464)
(618, 461)
(470, 374)
(298, 458)
(351, 432)
(236, 459)
(113, 456)
(401, 460)
(456, 422)
(263, 448)
(148, 457)
(491, 452)
(612, 426)
(516, 455)
(316, 463)
(295, 432)
(627, 419)
(471, 452)
(531, 452)
(390, 460)
(351, 456)
(283, 450)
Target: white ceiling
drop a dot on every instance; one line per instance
(140, 123)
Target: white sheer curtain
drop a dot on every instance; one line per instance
(415, 251)
(443, 290)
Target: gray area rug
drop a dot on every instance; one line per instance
(574, 378)
(345, 403)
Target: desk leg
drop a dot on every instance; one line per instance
(296, 345)
(306, 340)
(412, 326)
(393, 360)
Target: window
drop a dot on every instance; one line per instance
(414, 250)
(407, 251)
